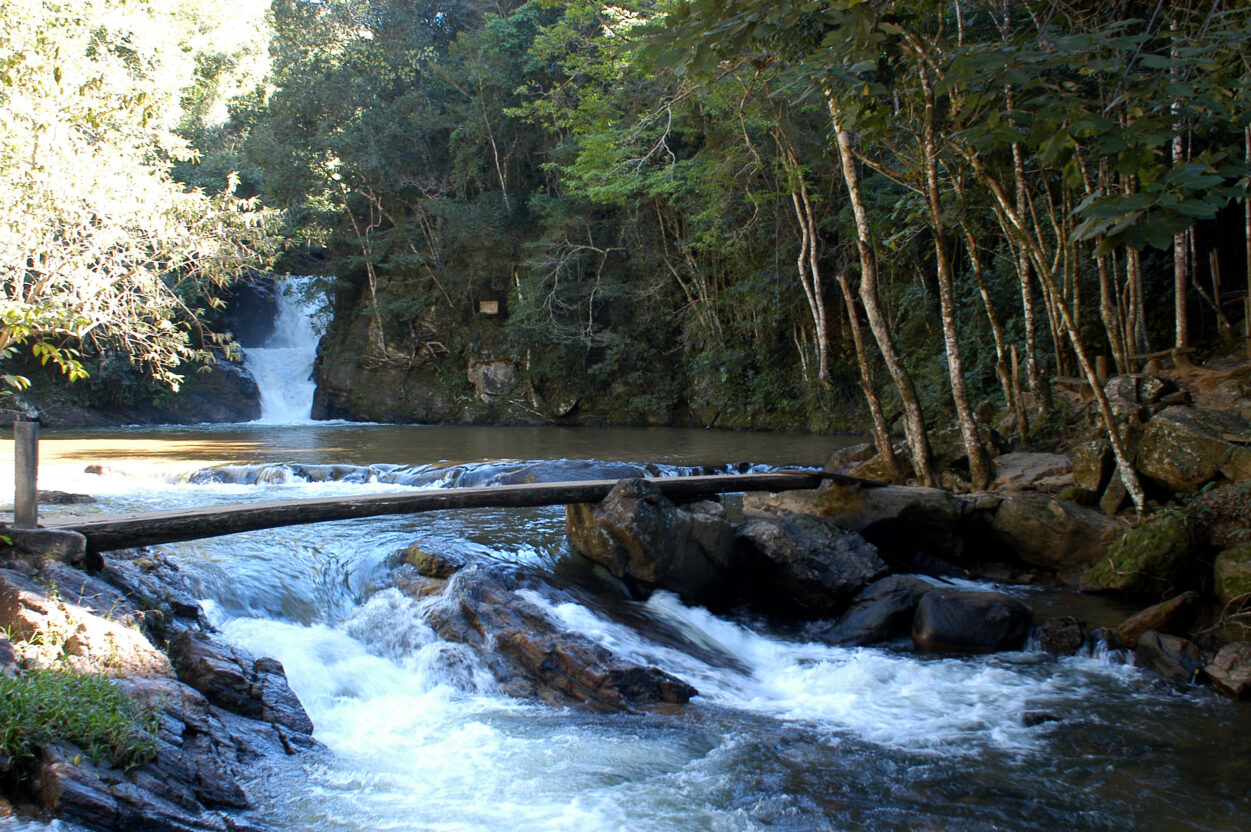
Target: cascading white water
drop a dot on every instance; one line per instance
(283, 368)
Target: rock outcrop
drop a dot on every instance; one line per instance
(649, 543)
(1154, 559)
(1184, 448)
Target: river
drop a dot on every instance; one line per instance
(784, 735)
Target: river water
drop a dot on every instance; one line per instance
(784, 735)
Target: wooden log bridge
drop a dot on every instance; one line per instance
(124, 531)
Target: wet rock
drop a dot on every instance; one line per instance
(433, 563)
(1030, 719)
(880, 612)
(647, 542)
(232, 679)
(532, 655)
(1183, 448)
(807, 567)
(1173, 657)
(1063, 635)
(1230, 670)
(1155, 558)
(1171, 617)
(1232, 573)
(1050, 533)
(954, 620)
(64, 498)
(1020, 470)
(1093, 464)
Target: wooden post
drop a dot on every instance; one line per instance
(26, 469)
(1101, 367)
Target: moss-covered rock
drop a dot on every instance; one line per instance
(1153, 559)
(1233, 573)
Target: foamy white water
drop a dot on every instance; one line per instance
(283, 368)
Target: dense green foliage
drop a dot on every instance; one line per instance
(86, 709)
(101, 249)
(651, 190)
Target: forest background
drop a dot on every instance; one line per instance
(781, 215)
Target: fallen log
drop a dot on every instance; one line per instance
(124, 531)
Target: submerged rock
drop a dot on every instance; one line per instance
(958, 621)
(646, 541)
(882, 611)
(1155, 558)
(532, 655)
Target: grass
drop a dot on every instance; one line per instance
(89, 710)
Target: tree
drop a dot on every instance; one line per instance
(99, 247)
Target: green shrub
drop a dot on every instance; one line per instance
(88, 710)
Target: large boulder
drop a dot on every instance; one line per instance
(1230, 670)
(882, 611)
(533, 655)
(899, 520)
(1232, 573)
(1048, 532)
(1137, 394)
(1156, 558)
(808, 567)
(1183, 448)
(1093, 464)
(1172, 617)
(1173, 657)
(955, 620)
(649, 543)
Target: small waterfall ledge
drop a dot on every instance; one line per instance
(283, 367)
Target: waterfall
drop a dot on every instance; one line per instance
(283, 367)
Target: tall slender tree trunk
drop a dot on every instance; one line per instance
(881, 431)
(996, 328)
(981, 470)
(914, 421)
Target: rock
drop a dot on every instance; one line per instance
(1029, 470)
(1063, 635)
(491, 378)
(1153, 559)
(1232, 573)
(534, 656)
(70, 547)
(899, 520)
(1173, 657)
(1083, 497)
(881, 612)
(232, 679)
(64, 498)
(843, 457)
(647, 542)
(1115, 496)
(1172, 617)
(1134, 394)
(808, 567)
(55, 631)
(1230, 671)
(1030, 719)
(1183, 448)
(433, 564)
(954, 620)
(1093, 464)
(1050, 533)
